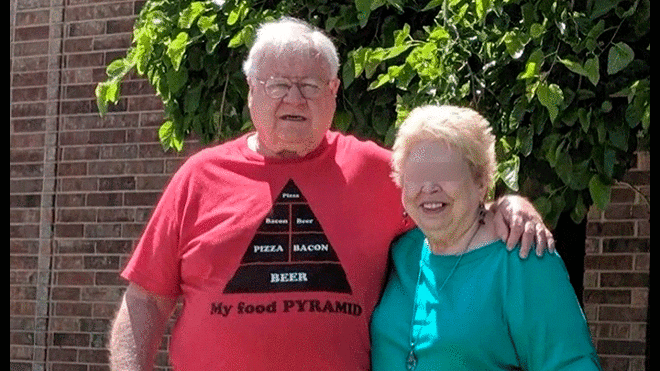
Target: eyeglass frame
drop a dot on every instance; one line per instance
(323, 84)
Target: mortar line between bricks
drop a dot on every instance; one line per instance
(49, 185)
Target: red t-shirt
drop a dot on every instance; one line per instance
(280, 262)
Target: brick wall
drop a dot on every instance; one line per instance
(82, 187)
(617, 265)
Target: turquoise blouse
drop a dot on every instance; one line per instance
(495, 312)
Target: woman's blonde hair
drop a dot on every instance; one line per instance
(463, 128)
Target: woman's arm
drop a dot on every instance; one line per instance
(546, 323)
(138, 329)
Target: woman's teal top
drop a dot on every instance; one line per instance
(495, 312)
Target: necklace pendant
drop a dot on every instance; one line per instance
(411, 361)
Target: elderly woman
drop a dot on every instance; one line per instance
(457, 300)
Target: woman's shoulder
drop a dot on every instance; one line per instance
(414, 236)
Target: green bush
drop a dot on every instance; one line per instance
(566, 87)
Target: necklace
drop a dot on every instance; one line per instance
(411, 358)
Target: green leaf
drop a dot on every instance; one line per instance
(619, 57)
(190, 14)
(609, 158)
(191, 99)
(342, 121)
(543, 205)
(525, 140)
(564, 166)
(107, 91)
(242, 37)
(589, 70)
(207, 23)
(508, 172)
(482, 7)
(536, 30)
(592, 68)
(438, 33)
(533, 66)
(176, 80)
(549, 148)
(373, 58)
(433, 4)
(238, 14)
(117, 68)
(584, 117)
(619, 137)
(515, 43)
(364, 10)
(168, 137)
(600, 191)
(348, 72)
(581, 175)
(573, 66)
(579, 211)
(401, 35)
(359, 60)
(551, 97)
(517, 113)
(177, 48)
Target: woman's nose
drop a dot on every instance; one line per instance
(430, 187)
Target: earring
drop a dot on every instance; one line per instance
(482, 213)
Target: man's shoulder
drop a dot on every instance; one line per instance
(355, 146)
(230, 149)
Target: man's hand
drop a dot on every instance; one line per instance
(516, 220)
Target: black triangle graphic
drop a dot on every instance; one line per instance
(289, 252)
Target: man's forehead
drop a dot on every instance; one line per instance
(293, 62)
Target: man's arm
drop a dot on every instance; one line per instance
(517, 220)
(138, 329)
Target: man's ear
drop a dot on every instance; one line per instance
(334, 85)
(249, 97)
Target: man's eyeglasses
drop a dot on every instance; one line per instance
(279, 87)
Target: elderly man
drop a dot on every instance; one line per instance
(277, 241)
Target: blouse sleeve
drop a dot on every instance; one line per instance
(546, 322)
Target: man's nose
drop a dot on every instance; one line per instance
(294, 95)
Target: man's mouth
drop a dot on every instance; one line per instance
(293, 118)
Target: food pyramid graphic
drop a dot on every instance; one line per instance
(289, 252)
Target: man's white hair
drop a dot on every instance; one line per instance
(290, 35)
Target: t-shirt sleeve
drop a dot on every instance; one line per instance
(546, 322)
(154, 265)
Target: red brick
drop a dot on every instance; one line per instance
(623, 245)
(624, 279)
(621, 347)
(68, 339)
(607, 229)
(622, 313)
(592, 296)
(32, 17)
(31, 33)
(608, 262)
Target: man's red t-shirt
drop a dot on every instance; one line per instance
(279, 262)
